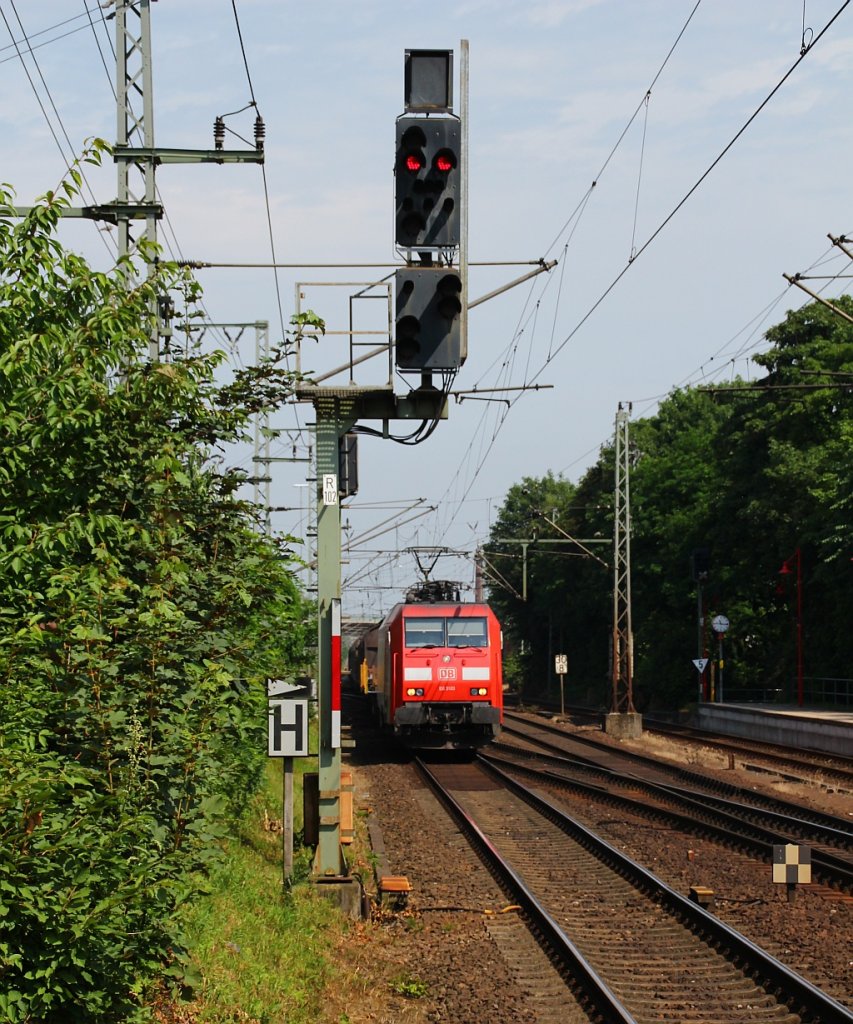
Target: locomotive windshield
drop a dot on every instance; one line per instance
(469, 632)
(424, 632)
(441, 632)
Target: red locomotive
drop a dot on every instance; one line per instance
(437, 677)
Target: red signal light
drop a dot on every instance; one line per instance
(445, 161)
(414, 162)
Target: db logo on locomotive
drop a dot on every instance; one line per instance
(447, 673)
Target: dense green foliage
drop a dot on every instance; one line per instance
(752, 473)
(140, 610)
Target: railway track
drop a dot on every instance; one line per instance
(586, 750)
(630, 947)
(744, 827)
(832, 767)
(754, 755)
(740, 818)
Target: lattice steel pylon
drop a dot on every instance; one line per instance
(136, 188)
(137, 157)
(623, 636)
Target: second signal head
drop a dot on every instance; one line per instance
(427, 211)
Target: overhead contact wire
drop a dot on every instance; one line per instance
(52, 103)
(574, 220)
(100, 51)
(693, 189)
(625, 130)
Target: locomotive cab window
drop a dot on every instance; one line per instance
(423, 632)
(468, 632)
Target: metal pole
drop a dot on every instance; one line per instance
(799, 630)
(287, 820)
(332, 423)
(720, 687)
(328, 589)
(700, 631)
(463, 190)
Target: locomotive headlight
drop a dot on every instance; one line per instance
(413, 691)
(410, 692)
(478, 691)
(483, 691)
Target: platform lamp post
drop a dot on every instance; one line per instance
(786, 570)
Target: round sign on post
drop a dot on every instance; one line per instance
(719, 624)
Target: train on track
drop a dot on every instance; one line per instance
(433, 670)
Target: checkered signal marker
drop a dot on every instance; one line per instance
(792, 864)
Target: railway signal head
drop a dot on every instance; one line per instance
(429, 319)
(427, 176)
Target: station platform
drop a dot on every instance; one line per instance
(808, 728)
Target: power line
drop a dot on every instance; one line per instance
(597, 178)
(100, 51)
(51, 28)
(668, 218)
(267, 205)
(20, 56)
(678, 206)
(574, 219)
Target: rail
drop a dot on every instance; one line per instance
(797, 990)
(563, 949)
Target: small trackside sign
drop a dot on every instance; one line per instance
(288, 728)
(330, 488)
(283, 688)
(701, 664)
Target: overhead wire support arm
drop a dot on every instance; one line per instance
(109, 213)
(376, 532)
(574, 540)
(160, 155)
(543, 266)
(841, 243)
(766, 388)
(476, 393)
(267, 265)
(497, 577)
(795, 280)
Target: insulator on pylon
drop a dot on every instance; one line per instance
(260, 132)
(218, 132)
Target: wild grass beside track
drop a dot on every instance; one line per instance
(264, 955)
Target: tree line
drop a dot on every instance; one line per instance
(753, 477)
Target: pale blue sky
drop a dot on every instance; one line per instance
(552, 86)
